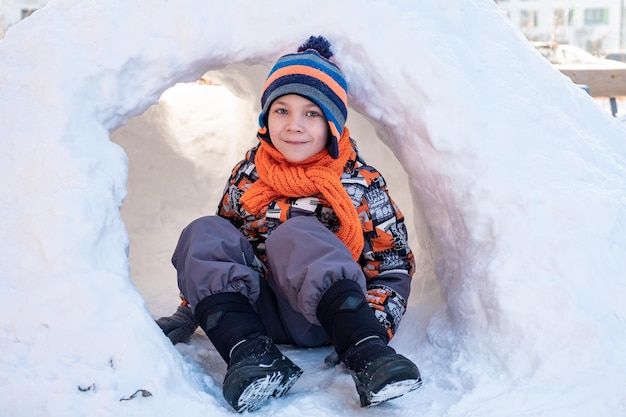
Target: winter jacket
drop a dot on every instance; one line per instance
(386, 258)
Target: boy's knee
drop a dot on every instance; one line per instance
(206, 229)
(206, 223)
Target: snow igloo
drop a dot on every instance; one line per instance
(120, 121)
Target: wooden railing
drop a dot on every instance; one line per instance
(601, 81)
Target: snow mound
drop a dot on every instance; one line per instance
(516, 174)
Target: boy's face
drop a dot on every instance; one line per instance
(297, 127)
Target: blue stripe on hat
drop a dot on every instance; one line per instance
(314, 60)
(309, 87)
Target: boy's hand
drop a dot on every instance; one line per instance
(180, 326)
(388, 306)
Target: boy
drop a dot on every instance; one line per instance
(307, 248)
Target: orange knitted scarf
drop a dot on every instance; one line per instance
(319, 174)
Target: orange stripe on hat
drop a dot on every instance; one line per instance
(312, 72)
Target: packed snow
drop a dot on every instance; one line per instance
(120, 122)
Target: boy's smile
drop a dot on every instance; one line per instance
(297, 127)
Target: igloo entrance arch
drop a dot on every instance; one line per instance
(181, 151)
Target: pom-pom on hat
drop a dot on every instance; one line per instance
(310, 74)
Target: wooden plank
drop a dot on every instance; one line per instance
(602, 81)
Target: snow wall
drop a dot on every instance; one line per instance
(63, 182)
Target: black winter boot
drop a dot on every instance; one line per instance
(380, 374)
(257, 371)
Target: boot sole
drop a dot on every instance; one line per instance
(250, 387)
(393, 390)
(393, 377)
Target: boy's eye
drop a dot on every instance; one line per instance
(312, 113)
(281, 111)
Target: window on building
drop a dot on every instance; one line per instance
(563, 17)
(596, 16)
(528, 18)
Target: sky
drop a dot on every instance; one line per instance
(512, 179)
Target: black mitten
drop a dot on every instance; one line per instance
(180, 326)
(388, 306)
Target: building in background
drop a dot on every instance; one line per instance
(594, 25)
(12, 11)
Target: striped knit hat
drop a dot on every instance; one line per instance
(310, 74)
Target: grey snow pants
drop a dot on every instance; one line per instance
(304, 260)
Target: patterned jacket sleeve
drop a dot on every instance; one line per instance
(387, 258)
(229, 206)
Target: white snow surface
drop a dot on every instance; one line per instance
(511, 177)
